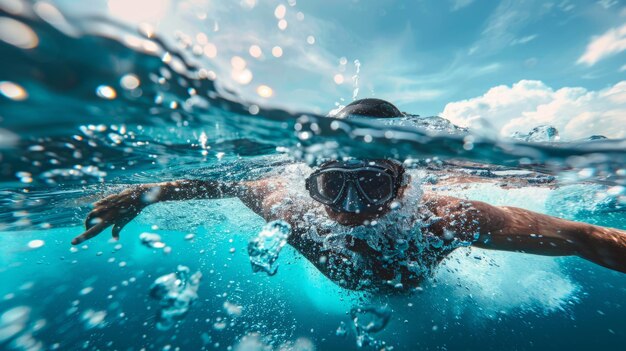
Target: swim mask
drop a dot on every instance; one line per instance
(355, 186)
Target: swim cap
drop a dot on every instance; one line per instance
(370, 108)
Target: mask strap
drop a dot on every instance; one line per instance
(406, 179)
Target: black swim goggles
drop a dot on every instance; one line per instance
(355, 186)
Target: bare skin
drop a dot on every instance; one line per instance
(499, 228)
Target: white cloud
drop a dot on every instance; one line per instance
(459, 4)
(610, 43)
(524, 40)
(576, 112)
(505, 23)
(566, 6)
(607, 4)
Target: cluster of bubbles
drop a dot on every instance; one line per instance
(257, 342)
(175, 292)
(265, 247)
(368, 320)
(17, 328)
(153, 241)
(240, 72)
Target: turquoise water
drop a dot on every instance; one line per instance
(71, 141)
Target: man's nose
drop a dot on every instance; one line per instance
(352, 201)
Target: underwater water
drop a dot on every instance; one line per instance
(89, 106)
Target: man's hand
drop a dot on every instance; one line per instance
(116, 210)
(119, 209)
(516, 229)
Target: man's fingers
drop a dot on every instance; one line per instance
(117, 228)
(93, 231)
(92, 219)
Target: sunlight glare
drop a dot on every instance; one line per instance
(139, 10)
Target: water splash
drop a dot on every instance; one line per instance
(265, 247)
(355, 79)
(539, 134)
(496, 282)
(176, 292)
(183, 101)
(396, 252)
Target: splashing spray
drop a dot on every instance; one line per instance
(355, 79)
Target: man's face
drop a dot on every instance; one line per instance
(356, 191)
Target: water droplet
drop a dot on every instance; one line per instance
(13, 91)
(210, 50)
(35, 244)
(167, 57)
(282, 24)
(242, 77)
(202, 38)
(338, 78)
(277, 51)
(253, 109)
(106, 92)
(17, 34)
(310, 39)
(238, 63)
(280, 11)
(255, 51)
(129, 81)
(264, 91)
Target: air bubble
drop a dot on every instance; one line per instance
(106, 92)
(13, 91)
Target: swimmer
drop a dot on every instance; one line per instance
(367, 225)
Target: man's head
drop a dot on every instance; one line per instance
(376, 108)
(356, 191)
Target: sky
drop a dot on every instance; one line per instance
(514, 64)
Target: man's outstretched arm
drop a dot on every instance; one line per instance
(118, 209)
(516, 229)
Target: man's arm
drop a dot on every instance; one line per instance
(119, 209)
(516, 229)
